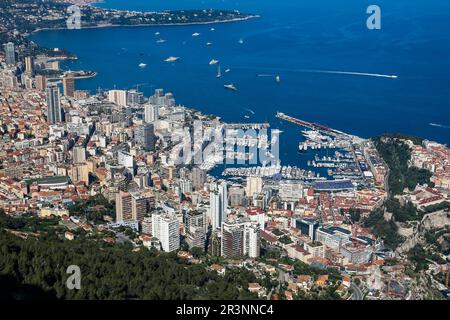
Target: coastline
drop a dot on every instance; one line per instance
(153, 25)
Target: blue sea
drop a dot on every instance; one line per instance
(297, 40)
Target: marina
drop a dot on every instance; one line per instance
(284, 172)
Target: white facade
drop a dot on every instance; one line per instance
(223, 192)
(167, 229)
(254, 185)
(252, 240)
(291, 191)
(151, 113)
(118, 97)
(215, 210)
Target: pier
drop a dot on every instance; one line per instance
(309, 125)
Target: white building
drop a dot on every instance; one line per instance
(252, 240)
(167, 229)
(240, 239)
(291, 191)
(223, 192)
(254, 185)
(151, 113)
(79, 154)
(118, 97)
(215, 213)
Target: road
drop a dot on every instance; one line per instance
(357, 293)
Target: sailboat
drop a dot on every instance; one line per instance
(219, 72)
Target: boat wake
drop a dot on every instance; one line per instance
(439, 125)
(249, 110)
(352, 73)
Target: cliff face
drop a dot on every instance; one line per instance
(430, 221)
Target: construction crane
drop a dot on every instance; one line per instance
(142, 85)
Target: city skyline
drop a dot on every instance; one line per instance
(117, 194)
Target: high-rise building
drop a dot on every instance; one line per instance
(254, 185)
(215, 210)
(196, 229)
(26, 80)
(125, 159)
(79, 154)
(223, 192)
(241, 239)
(40, 82)
(186, 186)
(10, 53)
(140, 206)
(29, 65)
(134, 97)
(232, 240)
(145, 136)
(218, 205)
(54, 111)
(146, 225)
(69, 86)
(79, 173)
(124, 207)
(118, 97)
(198, 178)
(236, 196)
(151, 113)
(167, 229)
(252, 240)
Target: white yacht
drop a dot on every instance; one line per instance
(230, 87)
(172, 59)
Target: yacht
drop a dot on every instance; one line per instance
(172, 59)
(196, 34)
(209, 43)
(160, 41)
(142, 65)
(230, 87)
(228, 70)
(213, 62)
(277, 79)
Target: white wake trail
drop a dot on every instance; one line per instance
(351, 73)
(439, 125)
(354, 73)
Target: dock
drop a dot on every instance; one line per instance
(309, 125)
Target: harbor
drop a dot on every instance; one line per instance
(282, 172)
